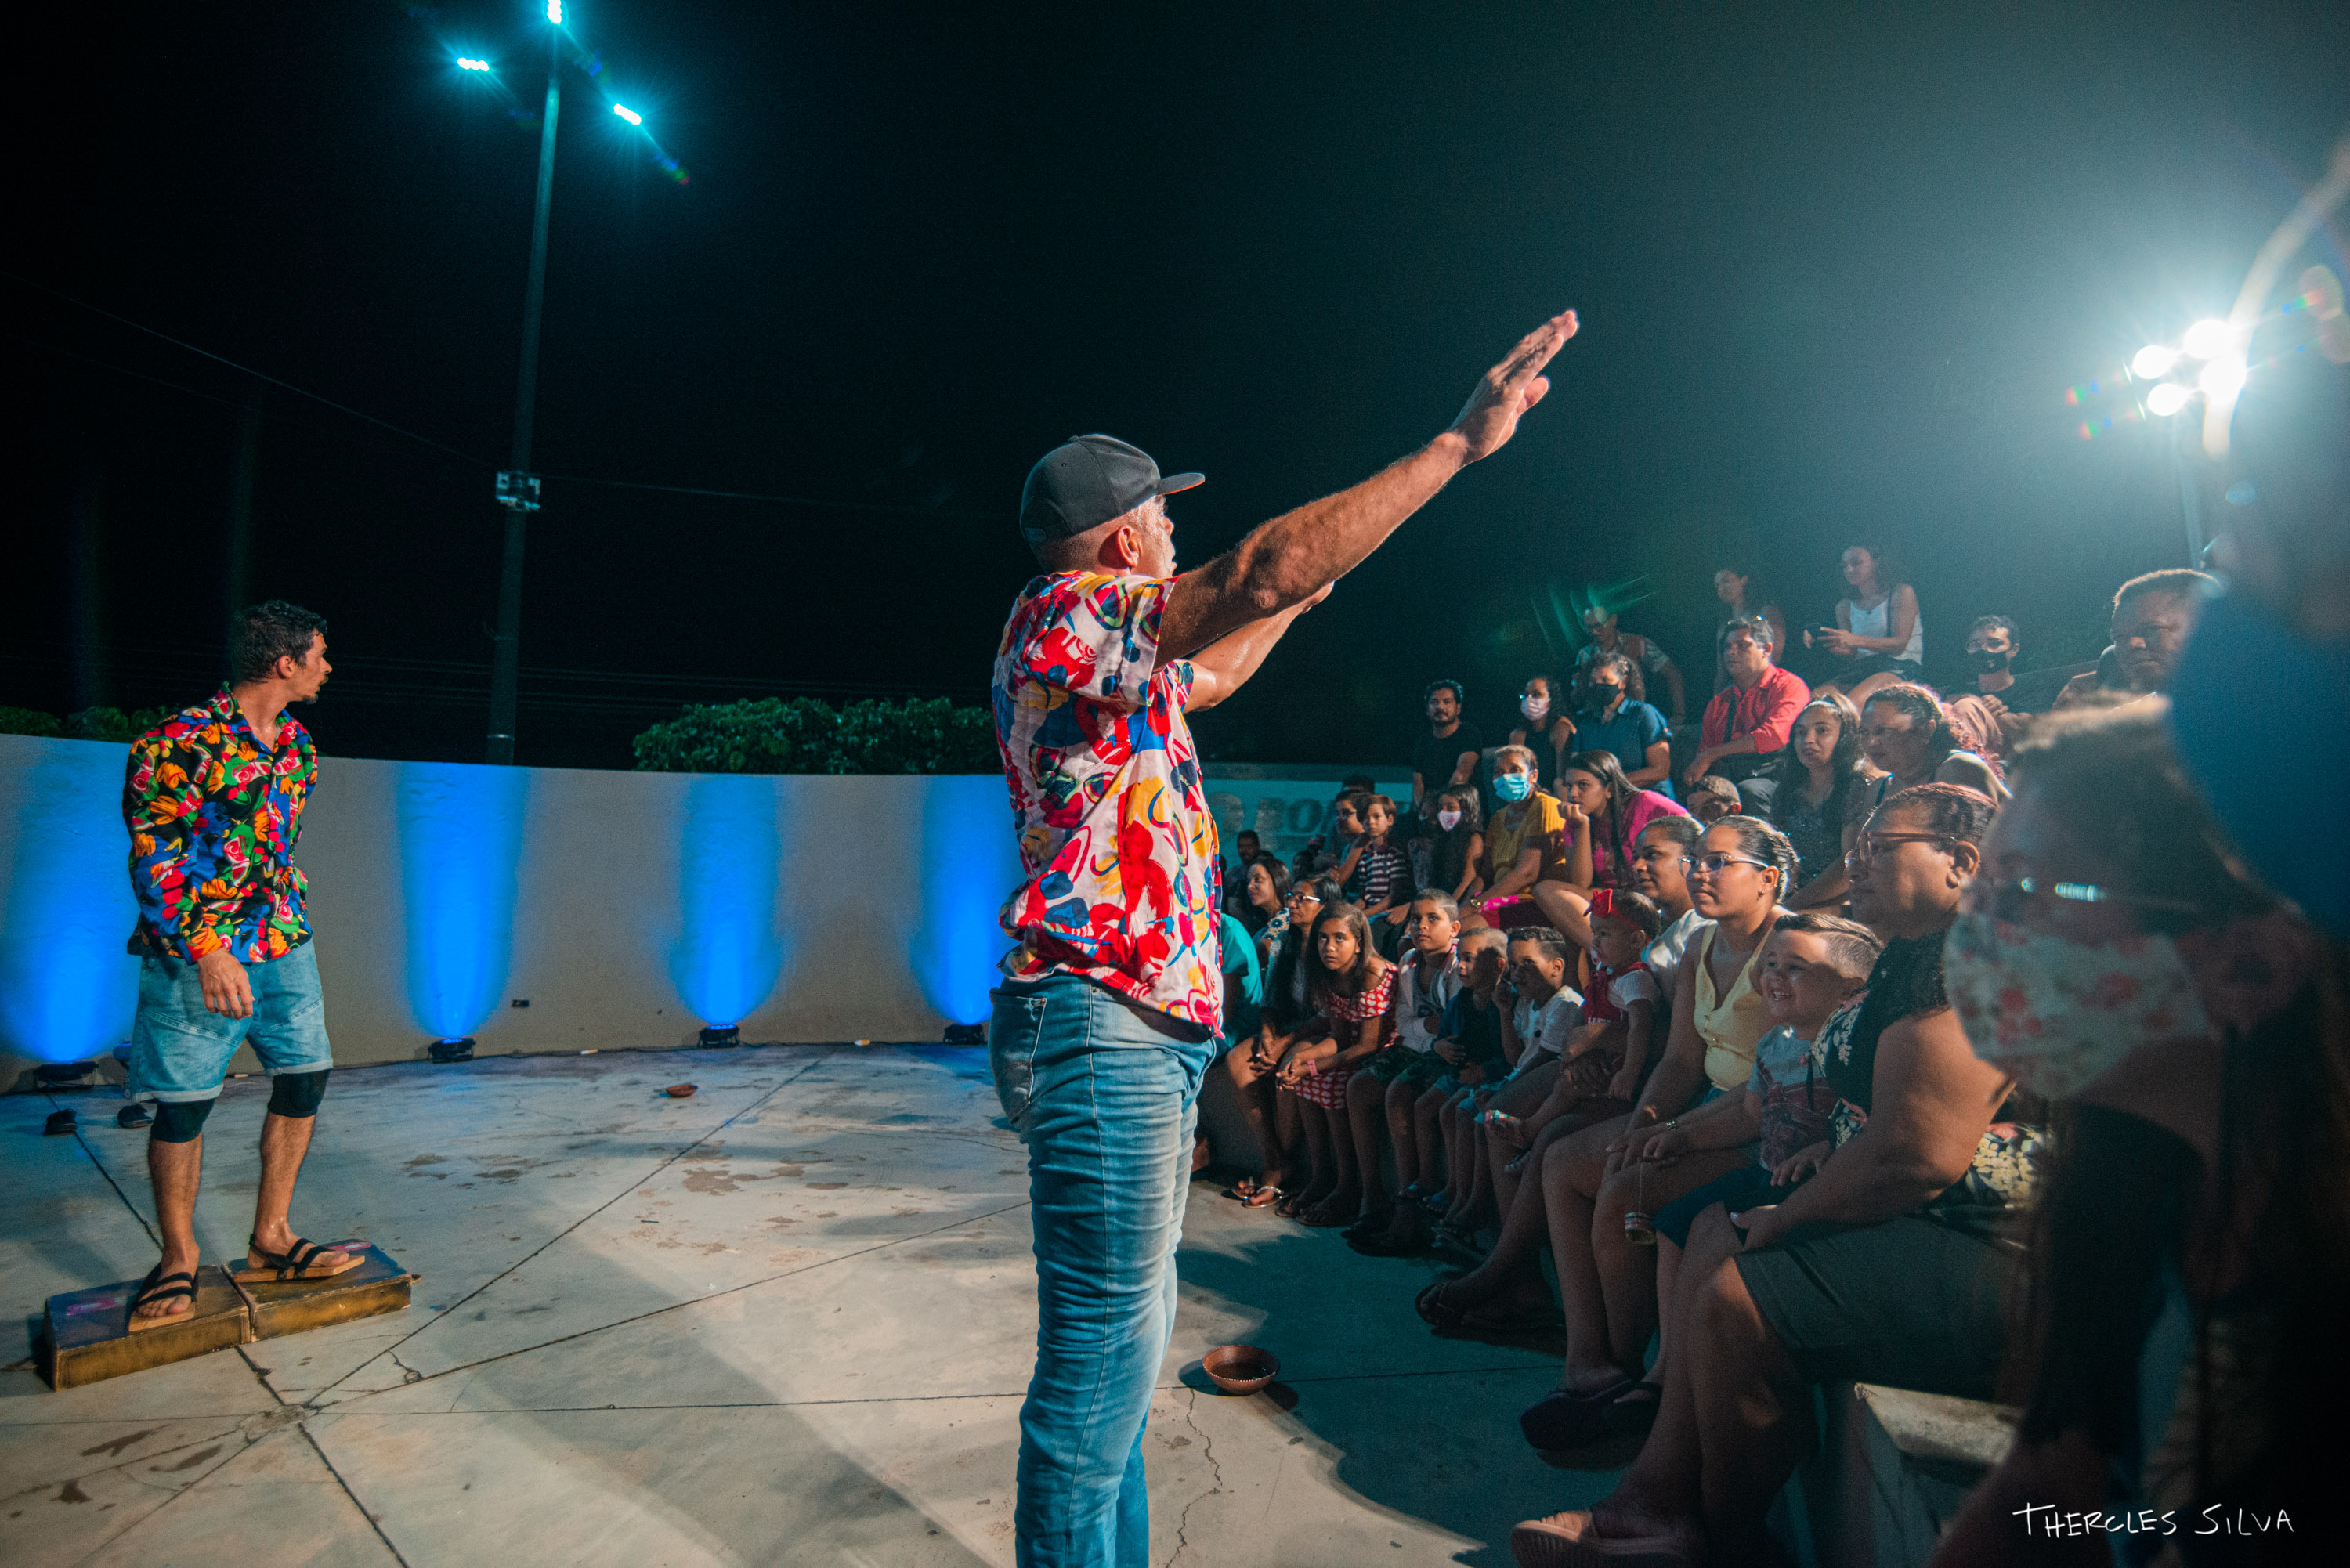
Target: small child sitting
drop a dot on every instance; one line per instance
(1713, 797)
(1607, 1054)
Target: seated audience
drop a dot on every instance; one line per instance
(1522, 846)
(1247, 846)
(1545, 726)
(1387, 1092)
(1713, 797)
(1749, 719)
(1878, 632)
(1472, 1043)
(1743, 598)
(1646, 659)
(1609, 1052)
(1904, 734)
(1611, 719)
(1605, 815)
(1660, 863)
(2154, 615)
(1816, 776)
(1735, 877)
(1265, 893)
(1887, 1265)
(1286, 1018)
(2183, 1348)
(1456, 841)
(1349, 985)
(1451, 755)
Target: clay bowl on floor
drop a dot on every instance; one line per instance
(1239, 1368)
(679, 1091)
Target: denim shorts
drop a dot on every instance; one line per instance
(179, 1051)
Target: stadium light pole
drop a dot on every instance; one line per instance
(517, 487)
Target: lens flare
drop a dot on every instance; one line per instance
(2208, 338)
(2223, 377)
(2153, 362)
(2166, 400)
(631, 114)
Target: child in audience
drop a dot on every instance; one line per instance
(1387, 1089)
(1540, 1010)
(1383, 873)
(1350, 987)
(1470, 1046)
(1811, 965)
(1607, 1054)
(1712, 798)
(1457, 842)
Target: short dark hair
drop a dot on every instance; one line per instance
(1458, 695)
(1852, 946)
(260, 635)
(1684, 831)
(1753, 625)
(1382, 802)
(1635, 908)
(2172, 580)
(1997, 623)
(1952, 811)
(1547, 939)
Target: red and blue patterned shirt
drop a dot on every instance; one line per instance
(1107, 800)
(212, 818)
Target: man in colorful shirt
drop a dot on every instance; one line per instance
(213, 801)
(1104, 1027)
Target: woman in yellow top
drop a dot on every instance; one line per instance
(1738, 872)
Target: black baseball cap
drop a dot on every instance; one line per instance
(1087, 481)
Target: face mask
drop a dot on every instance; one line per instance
(1990, 661)
(1534, 707)
(1601, 696)
(2057, 1014)
(1448, 820)
(1513, 788)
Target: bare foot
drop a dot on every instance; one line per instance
(160, 1305)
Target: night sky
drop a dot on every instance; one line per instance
(1835, 269)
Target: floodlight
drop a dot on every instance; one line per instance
(631, 114)
(2153, 362)
(554, 11)
(2208, 338)
(465, 65)
(2222, 378)
(2166, 400)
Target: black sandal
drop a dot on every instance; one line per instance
(299, 1262)
(158, 1287)
(1440, 1315)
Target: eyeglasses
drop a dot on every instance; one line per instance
(1715, 864)
(1862, 853)
(2009, 896)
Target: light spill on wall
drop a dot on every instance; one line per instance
(67, 988)
(969, 863)
(728, 959)
(460, 841)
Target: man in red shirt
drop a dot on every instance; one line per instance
(1749, 720)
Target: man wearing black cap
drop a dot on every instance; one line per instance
(1102, 1028)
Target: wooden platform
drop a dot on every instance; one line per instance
(376, 1286)
(90, 1331)
(90, 1337)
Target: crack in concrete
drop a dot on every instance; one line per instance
(1215, 1475)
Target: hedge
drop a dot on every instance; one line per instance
(805, 735)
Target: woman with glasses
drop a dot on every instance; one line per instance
(1889, 1265)
(1907, 738)
(2188, 1259)
(1287, 1018)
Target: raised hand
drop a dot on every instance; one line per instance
(1506, 391)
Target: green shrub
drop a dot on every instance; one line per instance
(27, 721)
(113, 723)
(805, 735)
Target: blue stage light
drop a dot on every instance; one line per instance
(969, 863)
(631, 114)
(463, 64)
(67, 989)
(554, 11)
(728, 958)
(461, 828)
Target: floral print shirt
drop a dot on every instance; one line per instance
(212, 818)
(1119, 851)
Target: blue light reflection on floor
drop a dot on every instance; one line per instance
(67, 988)
(728, 959)
(461, 831)
(970, 862)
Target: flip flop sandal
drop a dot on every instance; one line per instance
(158, 1286)
(1243, 1189)
(1288, 1206)
(1569, 1541)
(1438, 1202)
(1437, 1313)
(1321, 1219)
(299, 1262)
(1566, 1418)
(1624, 1416)
(1262, 1197)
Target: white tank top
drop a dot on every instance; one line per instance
(1872, 623)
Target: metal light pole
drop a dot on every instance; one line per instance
(518, 489)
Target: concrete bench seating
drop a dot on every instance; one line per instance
(1893, 1468)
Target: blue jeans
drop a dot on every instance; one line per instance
(1105, 1100)
(180, 1049)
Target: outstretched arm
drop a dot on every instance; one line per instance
(1225, 666)
(1285, 561)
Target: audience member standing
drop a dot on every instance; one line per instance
(1546, 726)
(1743, 598)
(2154, 615)
(1878, 629)
(1647, 658)
(1749, 719)
(1099, 1036)
(1451, 755)
(1817, 774)
(1612, 719)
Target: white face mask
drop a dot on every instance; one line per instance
(1534, 707)
(2057, 1014)
(1448, 820)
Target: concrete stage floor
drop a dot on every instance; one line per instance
(787, 1320)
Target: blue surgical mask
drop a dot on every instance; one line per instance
(1513, 788)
